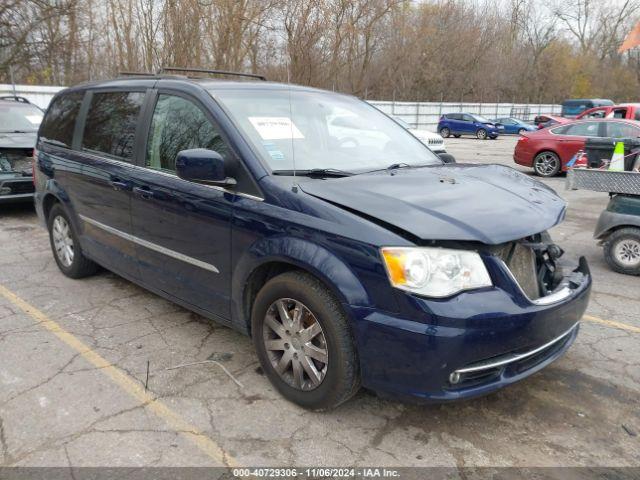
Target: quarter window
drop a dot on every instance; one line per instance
(111, 123)
(60, 120)
(179, 124)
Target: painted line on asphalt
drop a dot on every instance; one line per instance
(125, 382)
(611, 323)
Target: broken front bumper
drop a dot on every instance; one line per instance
(473, 343)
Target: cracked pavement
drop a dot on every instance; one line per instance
(58, 409)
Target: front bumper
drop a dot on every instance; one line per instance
(491, 338)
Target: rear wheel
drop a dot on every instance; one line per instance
(65, 246)
(546, 164)
(304, 343)
(622, 251)
(481, 134)
(445, 132)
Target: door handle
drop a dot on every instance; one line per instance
(118, 184)
(144, 192)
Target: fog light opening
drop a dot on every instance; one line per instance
(454, 378)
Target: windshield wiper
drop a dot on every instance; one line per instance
(315, 172)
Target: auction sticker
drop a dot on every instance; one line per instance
(275, 128)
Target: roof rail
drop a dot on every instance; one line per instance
(15, 98)
(211, 72)
(136, 74)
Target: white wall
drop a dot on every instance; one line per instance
(417, 114)
(425, 115)
(36, 94)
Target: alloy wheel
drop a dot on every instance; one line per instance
(546, 164)
(62, 241)
(482, 134)
(445, 132)
(295, 344)
(627, 252)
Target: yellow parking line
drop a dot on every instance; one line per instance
(611, 323)
(125, 382)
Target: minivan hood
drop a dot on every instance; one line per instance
(491, 204)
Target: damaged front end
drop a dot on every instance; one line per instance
(536, 265)
(16, 176)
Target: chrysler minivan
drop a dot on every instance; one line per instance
(349, 262)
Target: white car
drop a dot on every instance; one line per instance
(432, 140)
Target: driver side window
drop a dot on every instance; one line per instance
(178, 124)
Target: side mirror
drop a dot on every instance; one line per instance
(202, 166)
(447, 157)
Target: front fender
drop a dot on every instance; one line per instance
(304, 254)
(610, 221)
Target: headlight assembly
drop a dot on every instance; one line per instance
(434, 272)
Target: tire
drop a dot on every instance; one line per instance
(622, 251)
(340, 373)
(66, 247)
(445, 132)
(522, 131)
(546, 164)
(481, 134)
(457, 135)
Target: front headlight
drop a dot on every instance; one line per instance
(434, 272)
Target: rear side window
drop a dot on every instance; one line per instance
(587, 129)
(60, 120)
(111, 123)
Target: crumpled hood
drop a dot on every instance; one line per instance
(491, 204)
(18, 140)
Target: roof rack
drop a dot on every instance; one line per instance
(136, 74)
(211, 72)
(15, 98)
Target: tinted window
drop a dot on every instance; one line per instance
(111, 123)
(621, 130)
(620, 113)
(467, 118)
(587, 129)
(179, 124)
(60, 120)
(453, 116)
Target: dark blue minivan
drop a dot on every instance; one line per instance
(352, 256)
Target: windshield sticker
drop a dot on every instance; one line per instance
(273, 151)
(35, 119)
(275, 128)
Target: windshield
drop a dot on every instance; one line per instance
(402, 123)
(481, 119)
(19, 118)
(305, 130)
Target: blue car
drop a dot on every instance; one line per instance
(515, 126)
(458, 124)
(358, 260)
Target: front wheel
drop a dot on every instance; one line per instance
(304, 342)
(522, 131)
(445, 132)
(546, 164)
(622, 251)
(481, 134)
(65, 246)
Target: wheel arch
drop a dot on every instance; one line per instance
(271, 257)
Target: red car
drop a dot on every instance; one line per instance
(544, 121)
(547, 151)
(630, 111)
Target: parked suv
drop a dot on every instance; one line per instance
(458, 124)
(348, 264)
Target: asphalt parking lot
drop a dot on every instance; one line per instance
(74, 356)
